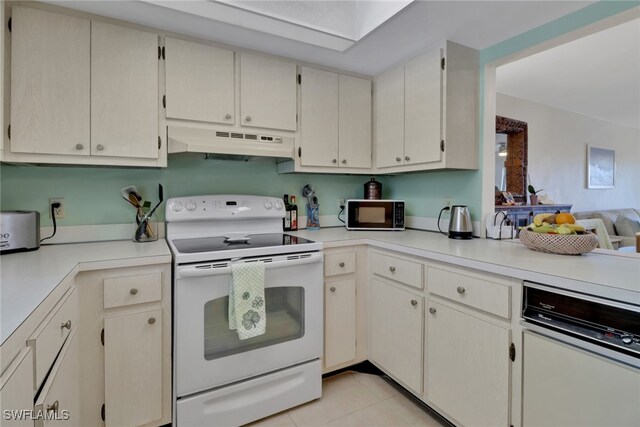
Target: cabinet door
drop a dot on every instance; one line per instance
(133, 368)
(124, 92)
(319, 118)
(60, 394)
(339, 322)
(355, 122)
(268, 91)
(50, 78)
(467, 361)
(199, 82)
(389, 123)
(16, 389)
(395, 333)
(422, 108)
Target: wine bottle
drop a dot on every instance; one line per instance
(286, 221)
(294, 214)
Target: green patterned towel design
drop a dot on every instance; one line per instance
(247, 312)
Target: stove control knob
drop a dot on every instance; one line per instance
(627, 339)
(279, 205)
(177, 207)
(268, 204)
(191, 205)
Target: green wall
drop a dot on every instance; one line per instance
(92, 195)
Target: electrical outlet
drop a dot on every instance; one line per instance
(448, 202)
(341, 203)
(59, 211)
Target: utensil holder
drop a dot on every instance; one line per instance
(313, 217)
(150, 229)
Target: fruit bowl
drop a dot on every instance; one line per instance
(572, 244)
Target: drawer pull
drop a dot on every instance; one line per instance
(133, 291)
(414, 302)
(332, 289)
(460, 290)
(66, 324)
(151, 320)
(227, 116)
(392, 269)
(432, 310)
(341, 264)
(53, 407)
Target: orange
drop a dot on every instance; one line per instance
(565, 218)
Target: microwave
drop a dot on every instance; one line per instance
(364, 214)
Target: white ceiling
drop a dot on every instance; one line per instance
(420, 25)
(597, 75)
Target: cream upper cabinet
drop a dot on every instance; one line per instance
(199, 82)
(124, 92)
(319, 100)
(335, 122)
(268, 92)
(426, 112)
(50, 83)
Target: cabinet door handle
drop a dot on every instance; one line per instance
(151, 320)
(460, 290)
(334, 161)
(133, 291)
(407, 158)
(341, 264)
(392, 269)
(344, 161)
(414, 302)
(66, 324)
(247, 119)
(100, 147)
(432, 310)
(332, 289)
(398, 159)
(227, 116)
(79, 146)
(53, 407)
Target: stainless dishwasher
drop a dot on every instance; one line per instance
(581, 359)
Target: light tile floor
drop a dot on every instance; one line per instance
(355, 399)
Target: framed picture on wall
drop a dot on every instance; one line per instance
(601, 167)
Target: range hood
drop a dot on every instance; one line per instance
(227, 144)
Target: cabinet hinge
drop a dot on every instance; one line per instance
(159, 52)
(164, 101)
(159, 142)
(9, 24)
(9, 131)
(299, 151)
(163, 57)
(299, 79)
(102, 411)
(442, 145)
(442, 61)
(512, 352)
(102, 336)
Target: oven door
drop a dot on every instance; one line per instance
(208, 354)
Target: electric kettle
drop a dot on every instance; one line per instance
(460, 226)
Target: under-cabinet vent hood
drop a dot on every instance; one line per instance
(225, 143)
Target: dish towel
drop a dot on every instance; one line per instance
(247, 312)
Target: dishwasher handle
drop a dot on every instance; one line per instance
(224, 267)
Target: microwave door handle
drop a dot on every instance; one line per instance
(201, 270)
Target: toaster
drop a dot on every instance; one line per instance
(19, 231)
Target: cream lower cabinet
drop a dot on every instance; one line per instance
(16, 390)
(395, 332)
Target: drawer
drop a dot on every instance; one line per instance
(402, 270)
(60, 395)
(128, 290)
(16, 388)
(49, 337)
(340, 263)
(470, 289)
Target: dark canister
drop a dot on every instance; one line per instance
(373, 190)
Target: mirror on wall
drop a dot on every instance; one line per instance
(511, 157)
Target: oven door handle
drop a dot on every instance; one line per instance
(220, 268)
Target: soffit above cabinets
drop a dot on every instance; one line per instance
(405, 32)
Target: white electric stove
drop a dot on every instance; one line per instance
(218, 378)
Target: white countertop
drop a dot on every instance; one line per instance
(26, 278)
(609, 275)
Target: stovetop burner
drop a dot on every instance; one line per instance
(222, 243)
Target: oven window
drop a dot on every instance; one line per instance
(285, 322)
